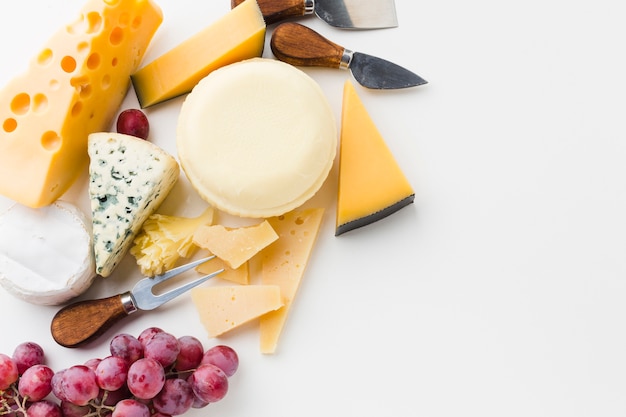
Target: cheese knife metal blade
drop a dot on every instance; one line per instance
(344, 14)
(301, 46)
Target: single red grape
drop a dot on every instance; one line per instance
(133, 122)
(224, 357)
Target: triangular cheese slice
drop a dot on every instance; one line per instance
(128, 180)
(234, 245)
(283, 264)
(222, 308)
(371, 184)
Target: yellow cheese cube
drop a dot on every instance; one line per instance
(238, 35)
(371, 184)
(234, 245)
(73, 87)
(283, 264)
(222, 308)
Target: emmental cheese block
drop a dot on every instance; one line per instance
(129, 178)
(372, 186)
(73, 86)
(234, 245)
(238, 35)
(283, 264)
(223, 308)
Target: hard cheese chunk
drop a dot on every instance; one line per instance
(222, 308)
(128, 180)
(283, 264)
(235, 245)
(238, 35)
(73, 87)
(371, 184)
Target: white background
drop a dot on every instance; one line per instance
(500, 292)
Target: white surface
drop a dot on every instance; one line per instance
(501, 291)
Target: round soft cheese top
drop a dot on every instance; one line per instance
(256, 138)
(46, 254)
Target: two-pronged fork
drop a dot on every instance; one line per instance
(84, 321)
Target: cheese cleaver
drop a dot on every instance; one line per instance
(344, 14)
(301, 46)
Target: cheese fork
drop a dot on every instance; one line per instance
(84, 321)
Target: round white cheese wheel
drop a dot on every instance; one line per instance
(46, 254)
(256, 138)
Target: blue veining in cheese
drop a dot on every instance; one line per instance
(128, 180)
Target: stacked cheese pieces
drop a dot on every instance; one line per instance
(285, 244)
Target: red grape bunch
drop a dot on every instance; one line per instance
(152, 375)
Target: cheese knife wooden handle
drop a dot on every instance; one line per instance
(84, 321)
(277, 10)
(299, 45)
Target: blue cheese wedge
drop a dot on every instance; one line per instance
(128, 180)
(45, 253)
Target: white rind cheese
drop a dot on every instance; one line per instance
(256, 138)
(45, 253)
(128, 180)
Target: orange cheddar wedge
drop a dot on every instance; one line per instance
(371, 184)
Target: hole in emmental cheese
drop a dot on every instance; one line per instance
(20, 104)
(76, 108)
(90, 23)
(9, 125)
(82, 86)
(106, 81)
(45, 57)
(40, 103)
(82, 47)
(51, 141)
(117, 36)
(93, 62)
(68, 64)
(136, 22)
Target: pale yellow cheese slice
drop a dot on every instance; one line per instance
(223, 308)
(256, 138)
(240, 275)
(234, 245)
(371, 183)
(238, 35)
(73, 87)
(283, 264)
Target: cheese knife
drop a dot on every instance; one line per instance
(344, 14)
(301, 46)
